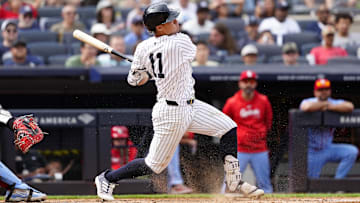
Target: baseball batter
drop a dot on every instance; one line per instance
(166, 58)
(16, 189)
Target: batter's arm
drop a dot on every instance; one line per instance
(138, 74)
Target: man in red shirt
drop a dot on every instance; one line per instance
(253, 114)
(322, 54)
(11, 9)
(123, 150)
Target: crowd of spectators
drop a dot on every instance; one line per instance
(224, 28)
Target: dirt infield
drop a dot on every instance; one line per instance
(218, 200)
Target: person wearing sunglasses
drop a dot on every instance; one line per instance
(9, 32)
(26, 20)
(253, 115)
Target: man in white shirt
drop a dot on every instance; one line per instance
(186, 8)
(201, 24)
(281, 24)
(343, 36)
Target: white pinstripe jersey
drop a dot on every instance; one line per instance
(168, 59)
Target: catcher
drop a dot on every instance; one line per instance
(27, 133)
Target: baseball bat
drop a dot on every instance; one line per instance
(88, 39)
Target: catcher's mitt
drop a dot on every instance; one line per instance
(27, 132)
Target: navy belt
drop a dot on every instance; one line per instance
(174, 103)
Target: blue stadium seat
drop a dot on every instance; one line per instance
(49, 12)
(235, 25)
(201, 37)
(58, 59)
(86, 13)
(47, 49)
(124, 12)
(38, 36)
(268, 51)
(301, 38)
(304, 24)
(306, 48)
(352, 49)
(237, 59)
(75, 48)
(344, 60)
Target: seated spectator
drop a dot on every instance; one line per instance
(137, 34)
(281, 24)
(186, 8)
(290, 54)
(202, 55)
(320, 147)
(109, 60)
(201, 24)
(251, 35)
(249, 54)
(265, 9)
(100, 32)
(123, 149)
(11, 9)
(69, 23)
(137, 11)
(105, 13)
(266, 38)
(221, 43)
(343, 36)
(320, 55)
(9, 34)
(323, 17)
(220, 9)
(86, 59)
(20, 56)
(26, 20)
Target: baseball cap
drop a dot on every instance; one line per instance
(25, 9)
(99, 28)
(322, 84)
(289, 47)
(248, 74)
(137, 20)
(249, 49)
(283, 5)
(119, 132)
(6, 23)
(202, 6)
(19, 43)
(103, 4)
(328, 30)
(252, 21)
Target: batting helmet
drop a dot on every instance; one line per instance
(119, 132)
(157, 14)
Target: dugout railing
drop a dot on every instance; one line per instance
(299, 122)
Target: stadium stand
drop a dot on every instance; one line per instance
(279, 59)
(49, 12)
(38, 36)
(47, 49)
(352, 49)
(57, 59)
(268, 51)
(347, 60)
(306, 48)
(235, 25)
(47, 22)
(301, 38)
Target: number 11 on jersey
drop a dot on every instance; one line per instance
(160, 68)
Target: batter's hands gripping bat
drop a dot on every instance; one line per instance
(82, 36)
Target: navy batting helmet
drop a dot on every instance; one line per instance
(157, 14)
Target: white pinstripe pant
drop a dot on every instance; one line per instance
(171, 122)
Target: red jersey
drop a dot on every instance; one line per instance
(6, 13)
(121, 156)
(322, 54)
(254, 120)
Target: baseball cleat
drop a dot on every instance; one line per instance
(27, 195)
(104, 188)
(250, 190)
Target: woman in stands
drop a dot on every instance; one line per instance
(105, 13)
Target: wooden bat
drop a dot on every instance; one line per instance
(82, 36)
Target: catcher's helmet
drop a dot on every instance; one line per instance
(157, 14)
